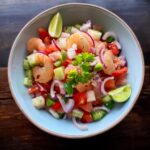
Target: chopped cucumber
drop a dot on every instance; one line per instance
(54, 113)
(38, 102)
(77, 113)
(108, 102)
(98, 114)
(78, 26)
(49, 102)
(106, 99)
(61, 115)
(26, 65)
(32, 60)
(64, 55)
(59, 73)
(68, 30)
(98, 67)
(96, 35)
(28, 74)
(57, 63)
(110, 39)
(27, 82)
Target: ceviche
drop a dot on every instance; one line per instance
(76, 72)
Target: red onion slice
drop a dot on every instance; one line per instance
(90, 37)
(92, 50)
(61, 87)
(101, 107)
(67, 107)
(101, 53)
(79, 125)
(104, 92)
(55, 44)
(41, 88)
(108, 34)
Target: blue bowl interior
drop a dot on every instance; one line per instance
(73, 14)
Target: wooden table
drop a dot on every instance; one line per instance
(17, 133)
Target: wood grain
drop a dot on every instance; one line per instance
(16, 132)
(14, 14)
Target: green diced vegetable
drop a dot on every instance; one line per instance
(78, 26)
(27, 82)
(68, 30)
(61, 115)
(98, 114)
(59, 73)
(26, 64)
(54, 113)
(38, 102)
(64, 55)
(32, 60)
(110, 39)
(57, 63)
(106, 98)
(98, 67)
(77, 113)
(68, 88)
(110, 104)
(49, 102)
(28, 74)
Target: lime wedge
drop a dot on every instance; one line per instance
(121, 94)
(55, 26)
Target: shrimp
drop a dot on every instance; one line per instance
(81, 40)
(35, 44)
(43, 73)
(108, 60)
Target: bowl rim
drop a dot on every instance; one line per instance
(124, 24)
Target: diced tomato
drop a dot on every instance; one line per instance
(66, 62)
(87, 117)
(42, 33)
(110, 85)
(87, 107)
(80, 99)
(51, 48)
(121, 80)
(78, 51)
(114, 49)
(98, 102)
(120, 72)
(33, 90)
(56, 106)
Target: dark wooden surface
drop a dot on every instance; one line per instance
(17, 133)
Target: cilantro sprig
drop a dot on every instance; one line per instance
(84, 75)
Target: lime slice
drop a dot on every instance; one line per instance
(55, 26)
(121, 94)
